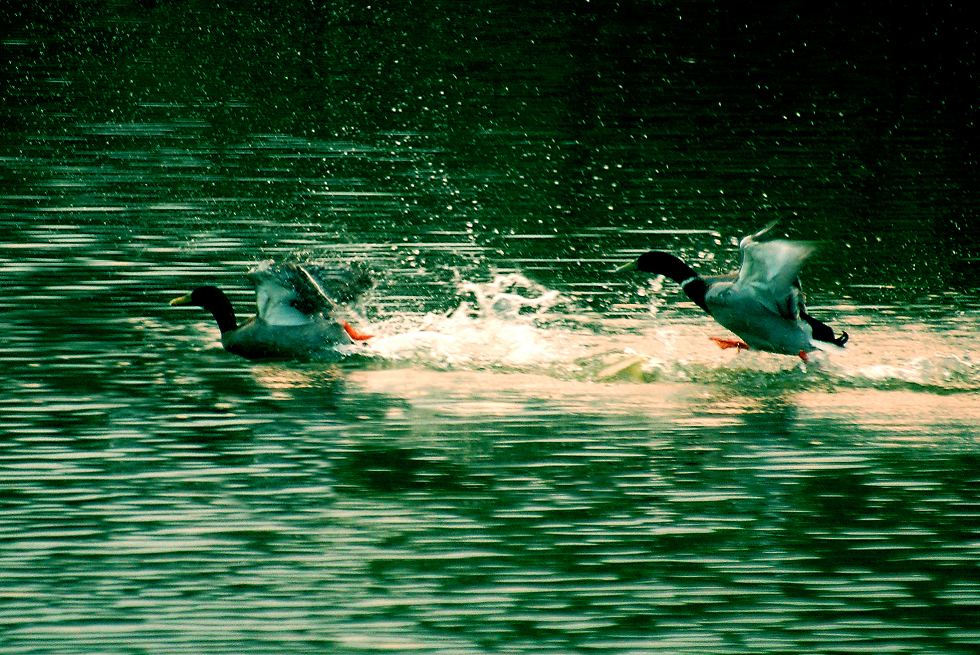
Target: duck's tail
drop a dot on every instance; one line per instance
(823, 332)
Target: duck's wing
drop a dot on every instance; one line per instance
(715, 279)
(770, 274)
(323, 287)
(758, 236)
(293, 294)
(276, 296)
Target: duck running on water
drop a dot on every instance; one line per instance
(762, 303)
(296, 307)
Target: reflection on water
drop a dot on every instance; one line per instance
(439, 496)
(532, 455)
(474, 511)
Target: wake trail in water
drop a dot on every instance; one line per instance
(511, 323)
(508, 323)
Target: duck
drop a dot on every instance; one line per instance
(762, 303)
(295, 307)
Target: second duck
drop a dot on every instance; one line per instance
(762, 303)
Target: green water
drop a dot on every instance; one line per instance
(533, 455)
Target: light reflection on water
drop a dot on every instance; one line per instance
(470, 509)
(719, 504)
(532, 455)
(511, 470)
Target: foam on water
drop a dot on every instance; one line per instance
(508, 323)
(511, 323)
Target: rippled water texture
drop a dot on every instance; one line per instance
(533, 454)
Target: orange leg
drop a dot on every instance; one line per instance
(804, 356)
(354, 334)
(725, 344)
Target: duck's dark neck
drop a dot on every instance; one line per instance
(668, 265)
(220, 307)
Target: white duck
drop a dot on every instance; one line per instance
(762, 303)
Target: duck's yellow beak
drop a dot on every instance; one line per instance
(183, 300)
(628, 266)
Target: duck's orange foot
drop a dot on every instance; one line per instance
(725, 344)
(355, 334)
(804, 356)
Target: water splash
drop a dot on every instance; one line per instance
(506, 323)
(511, 323)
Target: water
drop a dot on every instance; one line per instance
(532, 455)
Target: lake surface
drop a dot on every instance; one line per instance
(533, 454)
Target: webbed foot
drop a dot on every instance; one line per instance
(355, 334)
(725, 344)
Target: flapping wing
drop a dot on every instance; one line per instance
(770, 272)
(293, 294)
(323, 287)
(275, 295)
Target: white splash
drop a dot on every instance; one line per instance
(511, 323)
(505, 323)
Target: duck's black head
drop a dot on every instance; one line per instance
(657, 262)
(664, 263)
(215, 301)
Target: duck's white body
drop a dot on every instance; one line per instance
(316, 339)
(762, 305)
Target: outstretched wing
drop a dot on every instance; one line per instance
(770, 273)
(293, 294)
(322, 287)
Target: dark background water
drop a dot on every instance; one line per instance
(496, 120)
(477, 485)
